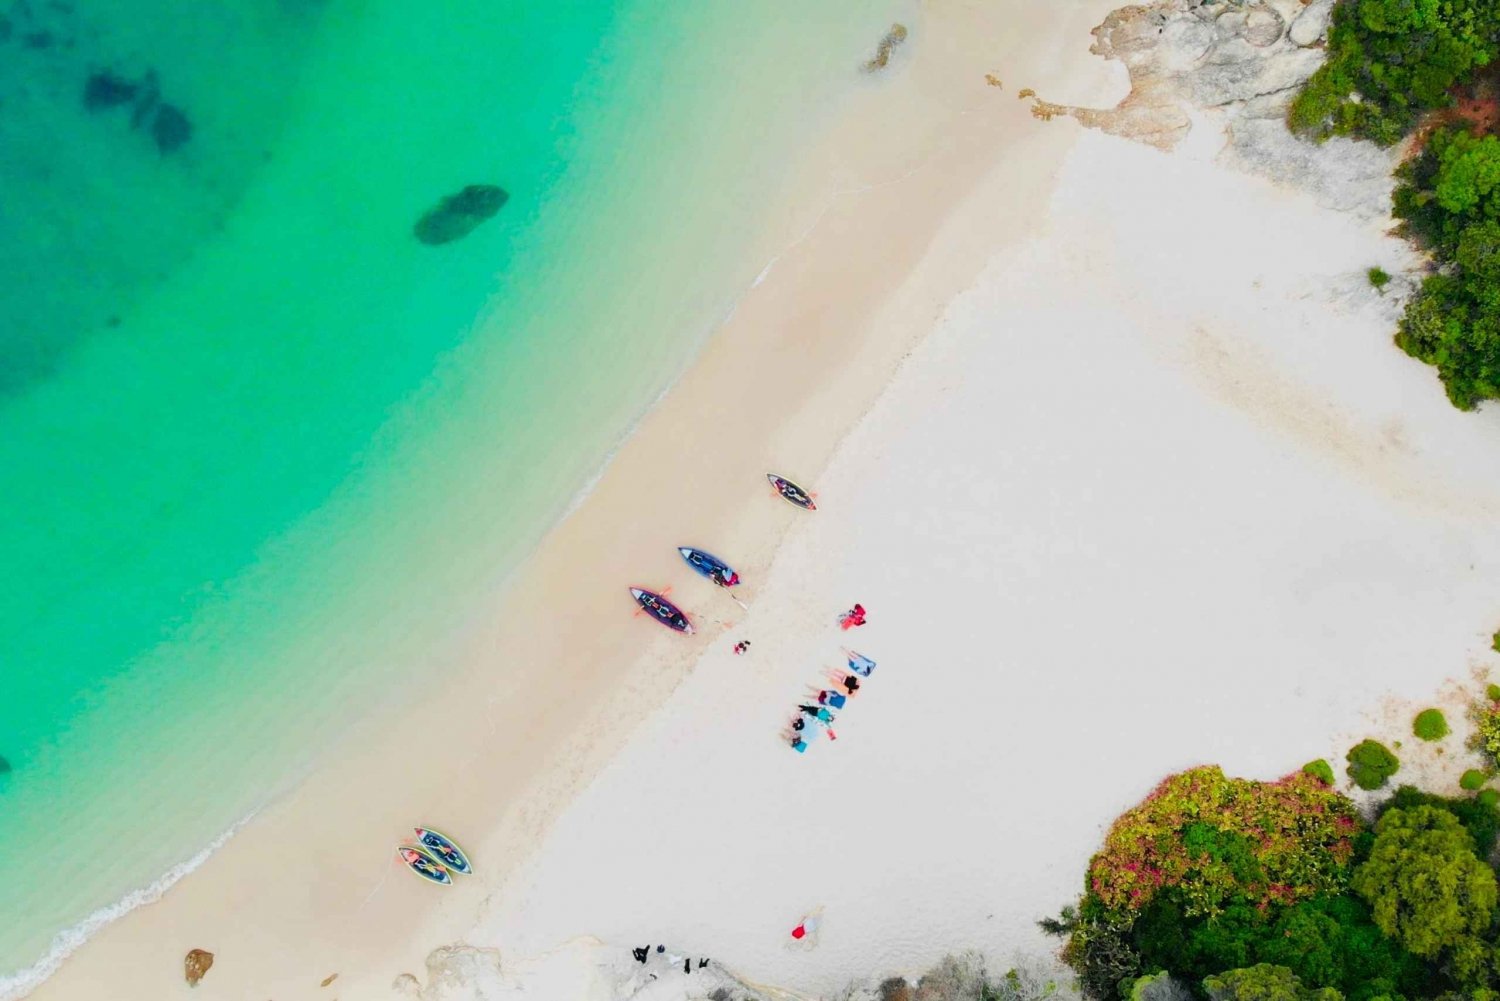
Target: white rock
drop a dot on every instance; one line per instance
(1311, 24)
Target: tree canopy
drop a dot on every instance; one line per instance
(1450, 199)
(1264, 982)
(1423, 882)
(1390, 60)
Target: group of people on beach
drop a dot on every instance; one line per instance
(645, 954)
(821, 708)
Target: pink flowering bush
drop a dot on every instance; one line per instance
(1485, 713)
(1217, 839)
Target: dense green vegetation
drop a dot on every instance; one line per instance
(1449, 198)
(1232, 890)
(1430, 724)
(1371, 764)
(1471, 780)
(1428, 890)
(1391, 60)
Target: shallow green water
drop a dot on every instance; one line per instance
(256, 442)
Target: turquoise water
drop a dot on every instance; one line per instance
(257, 443)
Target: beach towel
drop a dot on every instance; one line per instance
(860, 664)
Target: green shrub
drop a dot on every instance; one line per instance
(1486, 738)
(1493, 690)
(1488, 798)
(1482, 821)
(1472, 779)
(1378, 277)
(1319, 769)
(1371, 764)
(1430, 725)
(1264, 982)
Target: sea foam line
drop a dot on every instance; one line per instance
(66, 942)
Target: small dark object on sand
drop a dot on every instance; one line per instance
(456, 215)
(105, 90)
(171, 129)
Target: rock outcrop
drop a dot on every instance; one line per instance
(887, 45)
(455, 216)
(1238, 64)
(170, 128)
(105, 90)
(169, 125)
(195, 964)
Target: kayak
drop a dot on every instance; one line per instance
(710, 566)
(792, 492)
(662, 610)
(441, 847)
(423, 864)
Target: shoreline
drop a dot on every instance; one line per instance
(837, 380)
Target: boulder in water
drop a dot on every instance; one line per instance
(170, 128)
(195, 964)
(456, 215)
(105, 90)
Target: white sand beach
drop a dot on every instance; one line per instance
(1156, 493)
(1114, 446)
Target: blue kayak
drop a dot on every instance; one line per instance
(710, 566)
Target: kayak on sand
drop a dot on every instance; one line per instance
(792, 492)
(441, 847)
(424, 865)
(662, 610)
(710, 566)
